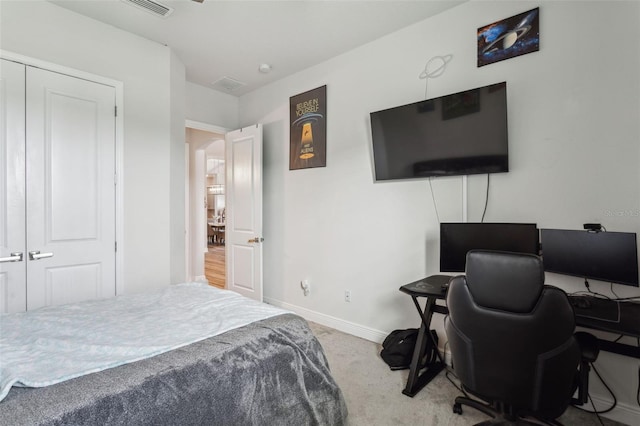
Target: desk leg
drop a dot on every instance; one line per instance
(417, 381)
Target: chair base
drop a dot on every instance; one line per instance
(500, 413)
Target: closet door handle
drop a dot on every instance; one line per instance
(36, 255)
(14, 257)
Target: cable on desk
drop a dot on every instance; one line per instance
(594, 293)
(604, 296)
(613, 292)
(597, 295)
(589, 292)
(619, 337)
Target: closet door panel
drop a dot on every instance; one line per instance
(12, 187)
(73, 163)
(70, 172)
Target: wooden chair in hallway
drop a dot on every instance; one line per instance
(219, 235)
(211, 234)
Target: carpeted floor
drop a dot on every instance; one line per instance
(374, 393)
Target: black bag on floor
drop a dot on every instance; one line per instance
(398, 346)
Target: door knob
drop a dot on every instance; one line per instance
(36, 255)
(14, 257)
(256, 240)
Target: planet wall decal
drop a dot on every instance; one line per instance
(510, 37)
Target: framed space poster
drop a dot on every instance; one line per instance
(514, 36)
(308, 131)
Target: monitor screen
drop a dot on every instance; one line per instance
(456, 239)
(458, 134)
(602, 256)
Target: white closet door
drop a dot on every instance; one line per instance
(13, 296)
(70, 169)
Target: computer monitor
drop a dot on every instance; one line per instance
(457, 239)
(602, 256)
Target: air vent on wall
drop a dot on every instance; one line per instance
(227, 84)
(151, 7)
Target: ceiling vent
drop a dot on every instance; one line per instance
(151, 7)
(227, 84)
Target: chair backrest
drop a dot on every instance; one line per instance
(511, 337)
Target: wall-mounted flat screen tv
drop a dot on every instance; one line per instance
(459, 134)
(457, 239)
(603, 256)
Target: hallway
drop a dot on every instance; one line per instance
(214, 265)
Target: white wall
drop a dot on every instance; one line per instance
(177, 227)
(574, 108)
(41, 30)
(209, 106)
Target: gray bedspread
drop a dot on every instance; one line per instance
(271, 372)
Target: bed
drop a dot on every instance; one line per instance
(248, 364)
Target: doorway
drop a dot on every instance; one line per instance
(243, 205)
(205, 210)
(214, 257)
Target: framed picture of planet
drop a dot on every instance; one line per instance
(514, 36)
(308, 129)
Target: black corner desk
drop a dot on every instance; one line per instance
(627, 322)
(612, 316)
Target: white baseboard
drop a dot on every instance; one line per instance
(201, 278)
(354, 329)
(623, 413)
(333, 322)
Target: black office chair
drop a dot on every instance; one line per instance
(512, 340)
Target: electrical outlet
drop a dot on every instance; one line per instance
(306, 287)
(347, 295)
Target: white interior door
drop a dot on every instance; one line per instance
(243, 233)
(13, 296)
(70, 169)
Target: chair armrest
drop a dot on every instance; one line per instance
(588, 346)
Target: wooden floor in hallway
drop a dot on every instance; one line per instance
(214, 269)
